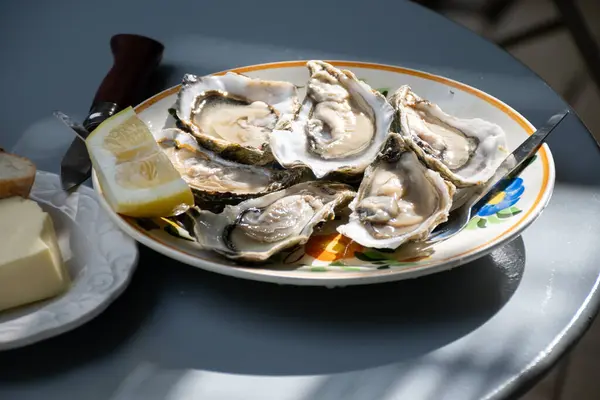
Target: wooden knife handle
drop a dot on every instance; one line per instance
(135, 58)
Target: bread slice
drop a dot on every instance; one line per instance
(16, 175)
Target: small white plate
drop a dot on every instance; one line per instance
(100, 258)
(330, 259)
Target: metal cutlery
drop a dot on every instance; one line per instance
(460, 217)
(135, 58)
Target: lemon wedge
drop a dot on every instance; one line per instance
(136, 177)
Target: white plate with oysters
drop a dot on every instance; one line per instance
(334, 173)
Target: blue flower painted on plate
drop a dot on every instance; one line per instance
(501, 207)
(503, 200)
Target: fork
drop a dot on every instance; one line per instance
(460, 217)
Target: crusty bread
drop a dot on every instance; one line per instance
(16, 175)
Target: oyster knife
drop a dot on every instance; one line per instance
(135, 58)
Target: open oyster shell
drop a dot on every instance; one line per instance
(214, 180)
(465, 151)
(256, 229)
(233, 115)
(340, 127)
(399, 200)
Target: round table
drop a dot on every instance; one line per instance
(489, 329)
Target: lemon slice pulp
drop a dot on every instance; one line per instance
(136, 177)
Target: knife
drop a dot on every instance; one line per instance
(135, 58)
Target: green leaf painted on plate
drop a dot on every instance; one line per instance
(473, 223)
(503, 214)
(515, 210)
(397, 264)
(351, 268)
(482, 223)
(361, 256)
(318, 269)
(493, 219)
(369, 255)
(383, 91)
(337, 263)
(394, 262)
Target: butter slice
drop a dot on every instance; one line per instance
(31, 266)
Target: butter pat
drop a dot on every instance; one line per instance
(31, 266)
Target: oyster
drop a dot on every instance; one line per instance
(215, 179)
(341, 126)
(256, 229)
(399, 200)
(233, 115)
(465, 151)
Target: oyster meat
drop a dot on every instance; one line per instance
(215, 179)
(341, 126)
(233, 115)
(399, 200)
(465, 151)
(256, 229)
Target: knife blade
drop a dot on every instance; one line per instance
(135, 57)
(76, 167)
(79, 129)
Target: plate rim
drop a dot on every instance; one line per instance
(36, 335)
(351, 278)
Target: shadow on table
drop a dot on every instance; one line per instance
(212, 322)
(304, 330)
(434, 377)
(357, 334)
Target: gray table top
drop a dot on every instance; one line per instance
(484, 330)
